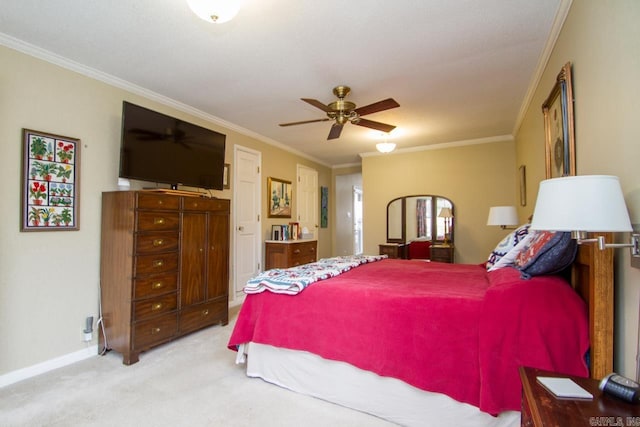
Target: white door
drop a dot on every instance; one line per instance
(307, 194)
(247, 196)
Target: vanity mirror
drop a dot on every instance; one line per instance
(420, 217)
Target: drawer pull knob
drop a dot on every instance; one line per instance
(156, 306)
(158, 242)
(157, 285)
(297, 251)
(205, 312)
(158, 263)
(158, 221)
(155, 331)
(313, 249)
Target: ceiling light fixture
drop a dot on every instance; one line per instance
(385, 147)
(216, 11)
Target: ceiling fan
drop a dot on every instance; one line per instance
(342, 111)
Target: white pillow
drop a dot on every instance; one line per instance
(510, 257)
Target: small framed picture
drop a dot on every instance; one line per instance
(280, 201)
(275, 232)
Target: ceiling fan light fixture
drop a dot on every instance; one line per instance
(385, 147)
(215, 11)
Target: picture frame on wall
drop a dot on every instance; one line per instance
(280, 198)
(50, 182)
(324, 207)
(560, 150)
(523, 185)
(226, 182)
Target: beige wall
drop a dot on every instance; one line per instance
(602, 40)
(49, 281)
(474, 177)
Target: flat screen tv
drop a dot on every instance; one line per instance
(162, 149)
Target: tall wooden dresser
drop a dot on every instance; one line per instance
(164, 268)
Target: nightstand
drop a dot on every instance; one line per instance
(394, 250)
(442, 253)
(540, 408)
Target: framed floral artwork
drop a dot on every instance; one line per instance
(50, 182)
(280, 201)
(560, 147)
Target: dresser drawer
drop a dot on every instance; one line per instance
(157, 221)
(158, 201)
(155, 285)
(158, 263)
(302, 253)
(203, 315)
(200, 204)
(146, 308)
(157, 242)
(155, 331)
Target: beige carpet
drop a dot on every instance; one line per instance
(193, 381)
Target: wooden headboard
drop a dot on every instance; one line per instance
(592, 278)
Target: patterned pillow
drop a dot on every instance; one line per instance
(549, 252)
(506, 244)
(510, 257)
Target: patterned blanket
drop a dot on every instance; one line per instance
(294, 280)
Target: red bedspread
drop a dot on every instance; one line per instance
(447, 328)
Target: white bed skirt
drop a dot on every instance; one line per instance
(345, 385)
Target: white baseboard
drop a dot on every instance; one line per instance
(46, 366)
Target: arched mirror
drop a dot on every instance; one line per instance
(421, 217)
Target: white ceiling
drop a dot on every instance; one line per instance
(460, 69)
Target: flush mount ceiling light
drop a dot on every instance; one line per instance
(216, 11)
(385, 147)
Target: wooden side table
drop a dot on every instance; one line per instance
(540, 408)
(442, 253)
(394, 250)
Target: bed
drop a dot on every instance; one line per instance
(410, 340)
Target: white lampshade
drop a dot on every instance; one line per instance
(216, 11)
(385, 147)
(502, 215)
(581, 203)
(445, 213)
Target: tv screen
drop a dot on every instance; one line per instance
(162, 149)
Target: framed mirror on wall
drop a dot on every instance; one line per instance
(420, 217)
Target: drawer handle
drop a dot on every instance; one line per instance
(313, 249)
(158, 242)
(158, 221)
(158, 263)
(160, 202)
(155, 331)
(205, 312)
(157, 285)
(156, 306)
(297, 251)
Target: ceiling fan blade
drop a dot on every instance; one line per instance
(304, 122)
(375, 125)
(385, 104)
(335, 131)
(317, 104)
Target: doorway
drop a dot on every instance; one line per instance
(247, 221)
(348, 214)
